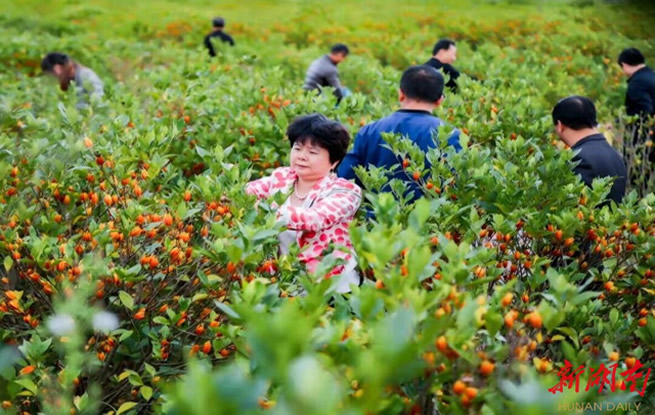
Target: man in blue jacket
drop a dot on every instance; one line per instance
(421, 91)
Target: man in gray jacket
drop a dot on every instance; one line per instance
(66, 70)
(323, 71)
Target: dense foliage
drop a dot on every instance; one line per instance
(474, 296)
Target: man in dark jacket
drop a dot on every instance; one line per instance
(575, 123)
(640, 98)
(219, 24)
(444, 54)
(421, 91)
(323, 71)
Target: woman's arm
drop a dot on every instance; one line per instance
(340, 203)
(266, 186)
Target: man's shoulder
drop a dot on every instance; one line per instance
(85, 74)
(595, 146)
(647, 75)
(435, 63)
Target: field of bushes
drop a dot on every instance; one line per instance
(137, 278)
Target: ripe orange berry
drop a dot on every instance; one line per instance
(509, 319)
(187, 196)
(535, 320)
(614, 356)
(486, 368)
(379, 284)
(442, 343)
(207, 347)
(168, 220)
(200, 330)
(459, 387)
(108, 200)
(140, 315)
(27, 370)
(507, 300)
(416, 176)
(630, 362)
(471, 392)
(642, 322)
(558, 235)
(154, 262)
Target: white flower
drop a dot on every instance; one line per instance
(61, 324)
(105, 321)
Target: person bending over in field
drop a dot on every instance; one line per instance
(320, 205)
(218, 24)
(575, 123)
(323, 72)
(420, 92)
(66, 70)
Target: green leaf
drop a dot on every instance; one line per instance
(125, 407)
(8, 263)
(27, 384)
(227, 310)
(160, 320)
(146, 392)
(493, 322)
(126, 335)
(584, 297)
(614, 316)
(199, 296)
(126, 299)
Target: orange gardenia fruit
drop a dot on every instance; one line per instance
(459, 387)
(486, 368)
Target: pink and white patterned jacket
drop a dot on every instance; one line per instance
(334, 202)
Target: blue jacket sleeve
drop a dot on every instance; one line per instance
(453, 140)
(353, 159)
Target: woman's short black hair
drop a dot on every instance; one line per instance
(53, 58)
(322, 132)
(575, 112)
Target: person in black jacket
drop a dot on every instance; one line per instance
(444, 54)
(219, 24)
(640, 98)
(575, 123)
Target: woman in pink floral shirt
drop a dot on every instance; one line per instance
(321, 206)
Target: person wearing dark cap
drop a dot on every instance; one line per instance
(323, 71)
(420, 92)
(640, 98)
(575, 123)
(68, 71)
(218, 23)
(444, 54)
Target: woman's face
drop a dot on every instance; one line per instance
(310, 161)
